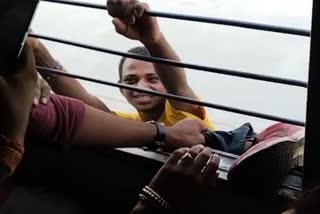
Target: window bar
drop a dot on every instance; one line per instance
(175, 97)
(233, 23)
(241, 74)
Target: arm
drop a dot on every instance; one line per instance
(63, 85)
(69, 120)
(173, 78)
(17, 85)
(146, 30)
(109, 130)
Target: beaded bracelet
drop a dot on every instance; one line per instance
(152, 196)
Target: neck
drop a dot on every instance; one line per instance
(153, 114)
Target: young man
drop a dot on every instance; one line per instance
(130, 22)
(196, 166)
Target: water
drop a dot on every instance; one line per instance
(219, 46)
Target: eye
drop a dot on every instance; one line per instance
(153, 79)
(130, 81)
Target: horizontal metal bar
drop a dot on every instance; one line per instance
(178, 64)
(80, 4)
(174, 97)
(233, 23)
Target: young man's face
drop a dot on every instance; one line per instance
(141, 74)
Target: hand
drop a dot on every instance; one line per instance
(183, 182)
(186, 133)
(34, 43)
(17, 86)
(41, 53)
(130, 22)
(42, 92)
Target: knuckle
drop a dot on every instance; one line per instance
(180, 151)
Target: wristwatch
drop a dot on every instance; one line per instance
(160, 137)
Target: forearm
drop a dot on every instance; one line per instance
(70, 87)
(173, 78)
(65, 86)
(104, 129)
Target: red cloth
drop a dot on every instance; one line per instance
(55, 122)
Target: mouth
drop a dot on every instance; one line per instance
(142, 97)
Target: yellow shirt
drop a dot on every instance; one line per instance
(171, 116)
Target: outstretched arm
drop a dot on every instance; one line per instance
(131, 23)
(112, 131)
(65, 86)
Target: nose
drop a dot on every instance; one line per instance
(143, 84)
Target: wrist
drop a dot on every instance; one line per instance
(154, 42)
(151, 202)
(159, 136)
(11, 152)
(170, 138)
(15, 133)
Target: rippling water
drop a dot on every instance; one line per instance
(219, 46)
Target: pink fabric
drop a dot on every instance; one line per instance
(278, 130)
(277, 133)
(55, 122)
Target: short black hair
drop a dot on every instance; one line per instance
(143, 51)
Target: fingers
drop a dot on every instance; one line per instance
(210, 171)
(120, 26)
(176, 156)
(127, 10)
(37, 93)
(202, 158)
(186, 160)
(139, 8)
(45, 92)
(195, 150)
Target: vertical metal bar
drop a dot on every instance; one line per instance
(311, 174)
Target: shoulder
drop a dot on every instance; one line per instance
(173, 115)
(128, 115)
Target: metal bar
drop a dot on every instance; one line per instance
(233, 23)
(178, 64)
(174, 97)
(311, 174)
